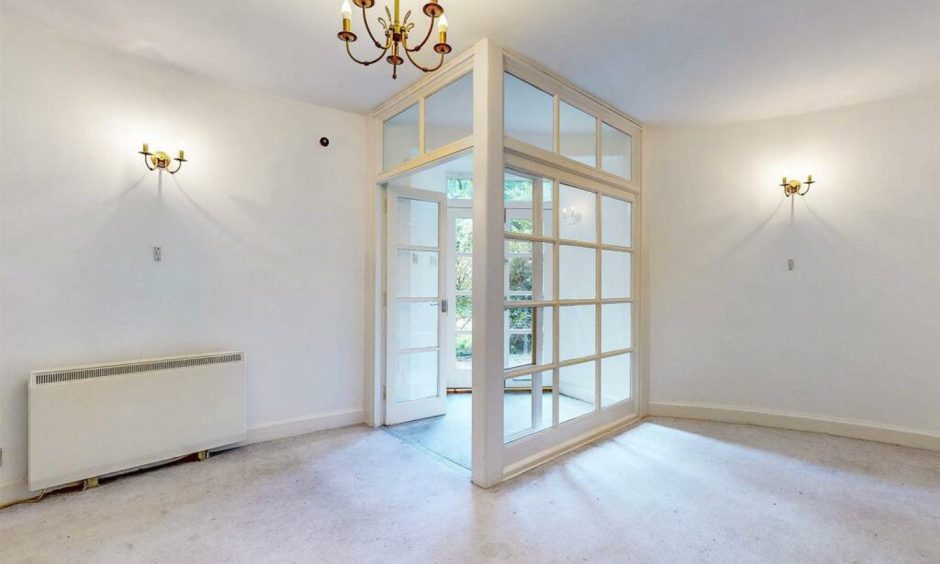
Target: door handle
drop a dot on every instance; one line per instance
(442, 303)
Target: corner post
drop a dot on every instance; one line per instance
(488, 264)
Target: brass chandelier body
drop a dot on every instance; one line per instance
(397, 30)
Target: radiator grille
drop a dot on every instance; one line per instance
(71, 375)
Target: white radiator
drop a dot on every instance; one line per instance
(90, 421)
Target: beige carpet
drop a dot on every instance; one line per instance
(663, 491)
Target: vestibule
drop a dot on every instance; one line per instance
(506, 260)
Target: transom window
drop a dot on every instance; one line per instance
(552, 123)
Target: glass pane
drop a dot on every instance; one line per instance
(577, 273)
(616, 327)
(520, 326)
(417, 376)
(448, 114)
(529, 112)
(548, 223)
(576, 392)
(521, 415)
(519, 193)
(400, 138)
(617, 149)
(417, 324)
(459, 188)
(417, 222)
(578, 219)
(463, 235)
(615, 274)
(463, 313)
(528, 275)
(615, 379)
(463, 348)
(463, 275)
(576, 332)
(616, 222)
(578, 135)
(417, 274)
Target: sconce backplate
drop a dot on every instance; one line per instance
(160, 159)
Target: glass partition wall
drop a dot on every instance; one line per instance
(525, 192)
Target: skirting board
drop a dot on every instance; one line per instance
(850, 428)
(268, 432)
(303, 426)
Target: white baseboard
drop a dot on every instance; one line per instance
(303, 426)
(891, 434)
(267, 432)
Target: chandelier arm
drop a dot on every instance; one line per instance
(366, 63)
(147, 161)
(179, 165)
(808, 186)
(365, 20)
(426, 37)
(424, 69)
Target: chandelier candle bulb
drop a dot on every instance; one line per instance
(146, 148)
(346, 11)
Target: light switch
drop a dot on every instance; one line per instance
(157, 254)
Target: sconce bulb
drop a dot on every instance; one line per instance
(442, 24)
(346, 10)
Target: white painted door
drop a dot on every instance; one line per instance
(417, 305)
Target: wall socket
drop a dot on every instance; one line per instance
(157, 254)
(791, 264)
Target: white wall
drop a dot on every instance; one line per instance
(854, 331)
(262, 232)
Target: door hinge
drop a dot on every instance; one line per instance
(384, 298)
(384, 205)
(384, 393)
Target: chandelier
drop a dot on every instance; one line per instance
(397, 30)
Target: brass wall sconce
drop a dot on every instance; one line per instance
(795, 187)
(161, 160)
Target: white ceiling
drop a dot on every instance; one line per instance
(663, 61)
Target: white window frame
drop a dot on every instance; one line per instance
(493, 461)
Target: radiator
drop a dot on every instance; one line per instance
(90, 421)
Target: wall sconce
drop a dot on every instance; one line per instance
(794, 187)
(161, 160)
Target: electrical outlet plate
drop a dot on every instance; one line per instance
(157, 254)
(791, 264)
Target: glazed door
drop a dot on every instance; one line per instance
(416, 305)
